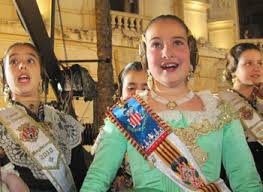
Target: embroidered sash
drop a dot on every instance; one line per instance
(155, 141)
(251, 119)
(36, 142)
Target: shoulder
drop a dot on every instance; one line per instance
(209, 99)
(227, 95)
(225, 113)
(56, 116)
(54, 113)
(51, 110)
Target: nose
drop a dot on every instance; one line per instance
(167, 52)
(138, 91)
(22, 65)
(257, 66)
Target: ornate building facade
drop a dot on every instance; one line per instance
(213, 22)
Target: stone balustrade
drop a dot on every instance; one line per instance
(126, 28)
(126, 21)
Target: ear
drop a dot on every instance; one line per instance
(194, 57)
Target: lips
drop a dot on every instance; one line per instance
(169, 66)
(24, 78)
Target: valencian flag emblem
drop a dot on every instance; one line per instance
(135, 118)
(28, 132)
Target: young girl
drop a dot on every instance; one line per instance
(43, 144)
(174, 138)
(132, 80)
(244, 71)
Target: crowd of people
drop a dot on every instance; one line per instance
(160, 136)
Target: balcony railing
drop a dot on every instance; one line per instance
(126, 28)
(126, 21)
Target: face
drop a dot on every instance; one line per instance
(167, 52)
(22, 71)
(134, 82)
(249, 68)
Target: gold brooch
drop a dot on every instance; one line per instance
(28, 132)
(246, 113)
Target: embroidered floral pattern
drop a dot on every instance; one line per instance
(16, 155)
(246, 113)
(201, 126)
(64, 128)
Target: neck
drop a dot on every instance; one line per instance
(32, 103)
(245, 90)
(171, 93)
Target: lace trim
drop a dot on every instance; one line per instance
(17, 156)
(66, 130)
(211, 113)
(66, 133)
(217, 114)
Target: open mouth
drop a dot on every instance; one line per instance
(23, 78)
(170, 66)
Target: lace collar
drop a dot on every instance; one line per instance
(40, 116)
(210, 112)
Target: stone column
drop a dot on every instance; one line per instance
(195, 17)
(222, 33)
(222, 23)
(150, 8)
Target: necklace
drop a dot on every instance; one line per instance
(172, 104)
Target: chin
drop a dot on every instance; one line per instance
(169, 84)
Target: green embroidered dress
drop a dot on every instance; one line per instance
(211, 135)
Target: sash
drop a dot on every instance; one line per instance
(251, 119)
(155, 141)
(36, 142)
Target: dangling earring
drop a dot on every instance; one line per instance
(234, 78)
(40, 88)
(191, 73)
(149, 80)
(6, 89)
(7, 93)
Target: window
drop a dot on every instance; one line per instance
(250, 19)
(130, 6)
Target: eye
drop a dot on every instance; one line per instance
(31, 61)
(156, 44)
(248, 63)
(260, 63)
(178, 43)
(131, 88)
(13, 61)
(145, 88)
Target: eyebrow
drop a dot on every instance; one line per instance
(174, 37)
(31, 54)
(131, 83)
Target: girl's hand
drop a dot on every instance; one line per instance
(11, 179)
(15, 183)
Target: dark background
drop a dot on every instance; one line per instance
(250, 18)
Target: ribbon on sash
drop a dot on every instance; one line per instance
(153, 139)
(34, 140)
(251, 119)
